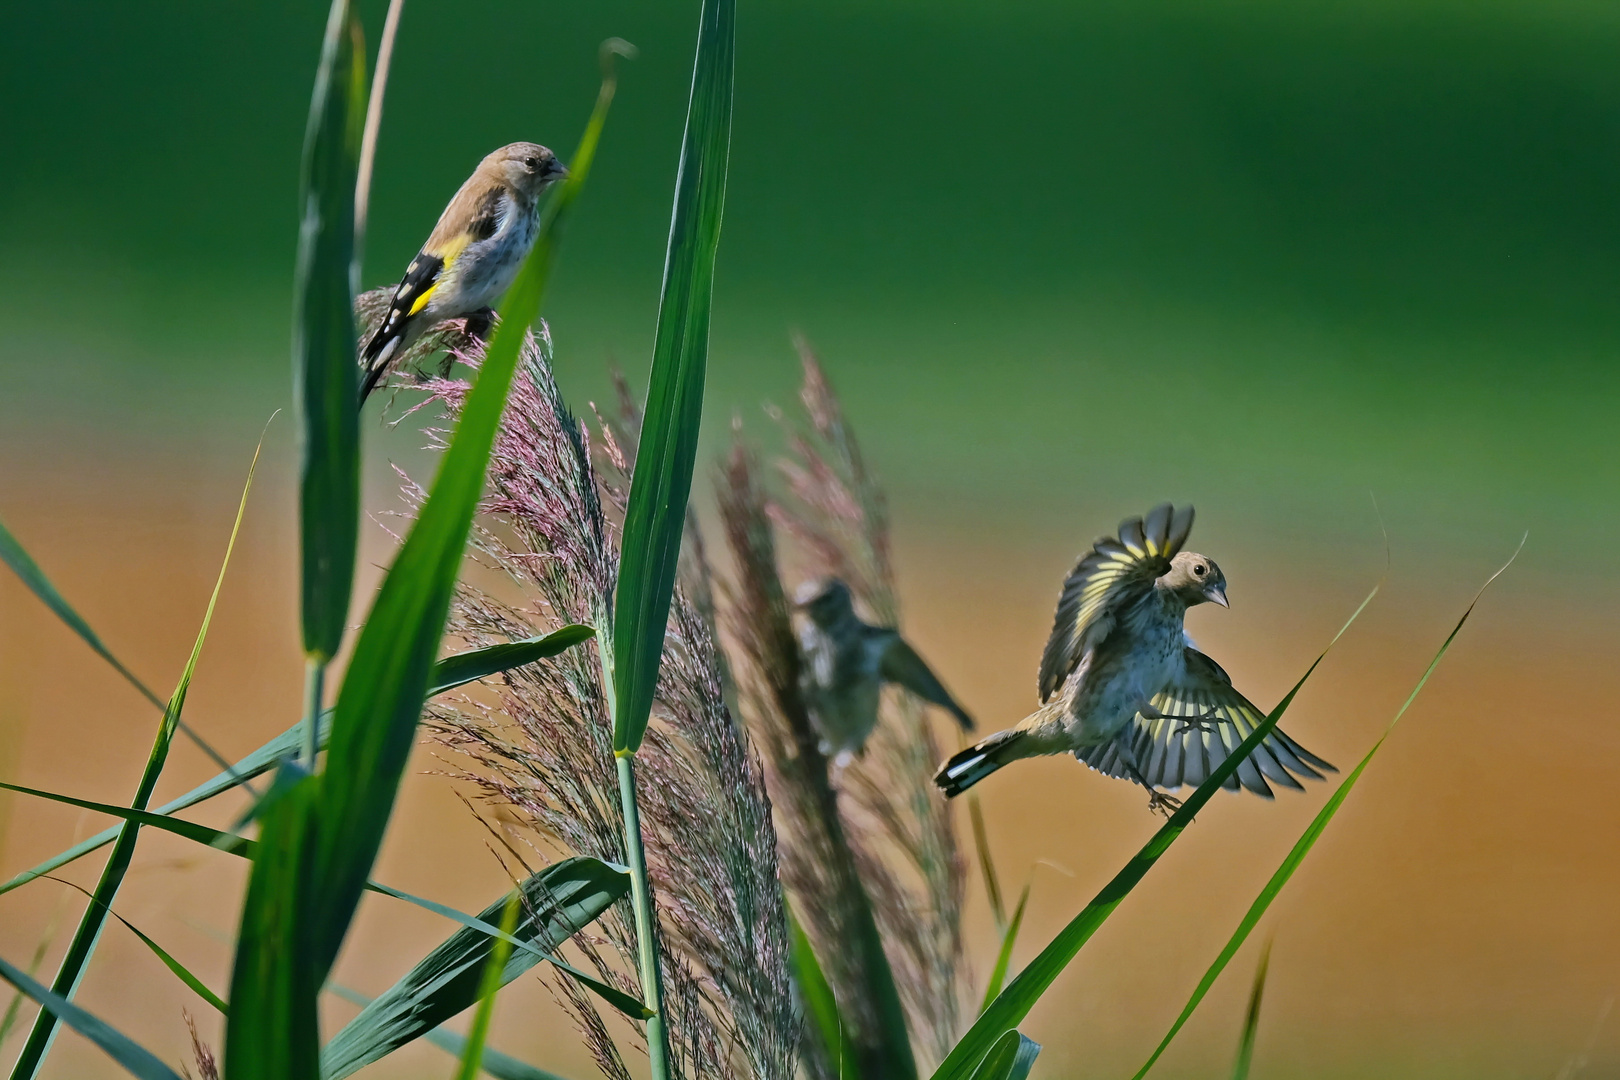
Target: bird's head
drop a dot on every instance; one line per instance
(528, 168)
(1195, 578)
(824, 600)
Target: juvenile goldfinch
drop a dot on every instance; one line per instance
(846, 663)
(1124, 691)
(472, 255)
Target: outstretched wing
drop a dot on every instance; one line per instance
(901, 664)
(1116, 571)
(1168, 760)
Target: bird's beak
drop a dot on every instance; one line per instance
(556, 171)
(1217, 594)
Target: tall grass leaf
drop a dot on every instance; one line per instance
(180, 970)
(135, 1060)
(83, 946)
(1010, 1058)
(283, 747)
(1251, 1019)
(662, 480)
(496, 1064)
(387, 680)
(273, 1032)
(610, 994)
(561, 900)
(1009, 937)
(1014, 1003)
(325, 365)
(474, 664)
(489, 984)
(1302, 847)
(819, 1004)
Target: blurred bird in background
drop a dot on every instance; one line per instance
(846, 663)
(1123, 689)
(470, 258)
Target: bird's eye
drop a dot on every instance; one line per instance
(1199, 569)
(533, 163)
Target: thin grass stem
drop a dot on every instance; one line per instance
(314, 694)
(652, 982)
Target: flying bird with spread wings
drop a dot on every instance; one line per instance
(846, 663)
(1123, 689)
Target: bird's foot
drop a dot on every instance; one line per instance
(1160, 803)
(479, 323)
(1204, 723)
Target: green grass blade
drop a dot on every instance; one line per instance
(1303, 846)
(1251, 1019)
(562, 899)
(662, 480)
(1014, 1003)
(820, 1007)
(496, 1064)
(387, 679)
(987, 868)
(10, 1019)
(325, 365)
(1009, 937)
(1010, 1058)
(202, 834)
(83, 946)
(612, 995)
(180, 970)
(135, 1060)
(273, 1032)
(491, 982)
(23, 565)
(474, 664)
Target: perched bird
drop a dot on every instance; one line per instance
(1123, 689)
(846, 663)
(472, 255)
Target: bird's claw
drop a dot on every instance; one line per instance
(1205, 723)
(1160, 803)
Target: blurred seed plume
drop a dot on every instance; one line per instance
(538, 745)
(876, 824)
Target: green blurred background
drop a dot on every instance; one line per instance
(1063, 261)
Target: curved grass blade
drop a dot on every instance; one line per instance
(662, 479)
(820, 1006)
(325, 365)
(23, 565)
(1251, 1020)
(612, 995)
(180, 970)
(496, 1064)
(489, 985)
(1010, 1058)
(135, 1060)
(474, 664)
(10, 1018)
(27, 570)
(1303, 846)
(83, 946)
(202, 834)
(1009, 937)
(1013, 1004)
(992, 883)
(273, 1032)
(387, 679)
(560, 901)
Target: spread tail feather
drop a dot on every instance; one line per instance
(969, 766)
